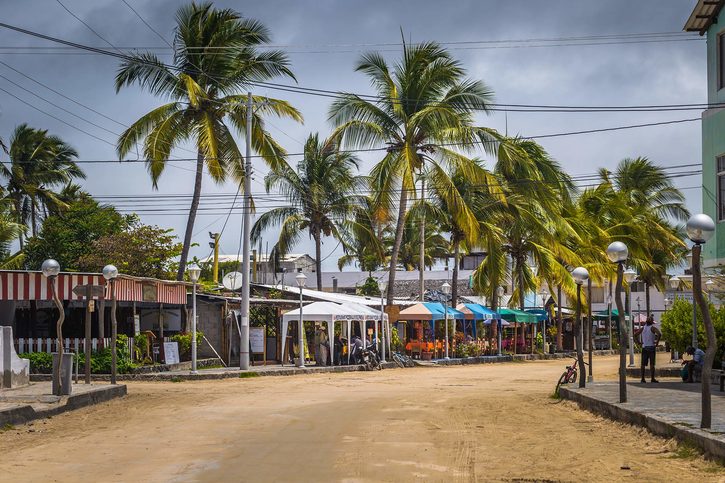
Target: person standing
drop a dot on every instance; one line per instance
(649, 337)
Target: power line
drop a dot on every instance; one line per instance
(147, 24)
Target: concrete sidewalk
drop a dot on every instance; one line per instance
(23, 404)
(670, 409)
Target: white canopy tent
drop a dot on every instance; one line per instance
(330, 313)
(327, 312)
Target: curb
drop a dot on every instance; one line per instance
(711, 446)
(516, 357)
(26, 413)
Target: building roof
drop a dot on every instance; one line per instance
(334, 297)
(289, 257)
(704, 15)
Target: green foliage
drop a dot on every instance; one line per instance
(68, 236)
(141, 250)
(395, 343)
(467, 350)
(677, 327)
(40, 362)
(247, 375)
(141, 346)
(369, 288)
(184, 341)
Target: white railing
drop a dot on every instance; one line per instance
(77, 344)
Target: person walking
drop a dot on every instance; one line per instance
(649, 338)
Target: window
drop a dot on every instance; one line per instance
(721, 188)
(720, 61)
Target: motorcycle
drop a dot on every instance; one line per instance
(370, 358)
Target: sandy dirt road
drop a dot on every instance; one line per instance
(470, 423)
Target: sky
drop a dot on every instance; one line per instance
(324, 40)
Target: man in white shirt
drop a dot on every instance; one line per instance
(649, 337)
(694, 366)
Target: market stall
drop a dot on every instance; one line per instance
(429, 312)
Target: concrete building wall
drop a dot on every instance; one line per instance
(713, 145)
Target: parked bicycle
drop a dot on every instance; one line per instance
(569, 376)
(403, 360)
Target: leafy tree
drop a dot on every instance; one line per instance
(677, 326)
(69, 236)
(369, 288)
(141, 250)
(39, 163)
(424, 105)
(216, 57)
(319, 196)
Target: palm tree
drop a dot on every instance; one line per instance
(423, 105)
(216, 56)
(363, 237)
(657, 204)
(435, 243)
(319, 195)
(39, 163)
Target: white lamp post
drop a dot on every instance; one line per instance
(51, 269)
(110, 272)
(382, 285)
(301, 279)
(629, 276)
(580, 275)
(194, 271)
(446, 289)
(617, 252)
(499, 324)
(699, 230)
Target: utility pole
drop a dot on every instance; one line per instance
(421, 275)
(215, 245)
(246, 220)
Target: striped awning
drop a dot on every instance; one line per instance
(27, 285)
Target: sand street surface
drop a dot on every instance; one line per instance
(466, 423)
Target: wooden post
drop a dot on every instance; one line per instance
(706, 421)
(87, 345)
(102, 318)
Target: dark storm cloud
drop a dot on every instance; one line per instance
(658, 73)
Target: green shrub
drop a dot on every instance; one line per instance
(184, 341)
(40, 362)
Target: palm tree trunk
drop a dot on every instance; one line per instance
(421, 264)
(399, 227)
(32, 217)
(454, 289)
(559, 321)
(318, 257)
(192, 215)
(521, 302)
(646, 298)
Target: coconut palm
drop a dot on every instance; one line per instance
(320, 195)
(363, 237)
(656, 204)
(39, 163)
(216, 57)
(423, 106)
(436, 246)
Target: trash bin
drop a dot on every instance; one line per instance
(65, 375)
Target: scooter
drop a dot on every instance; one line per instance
(370, 358)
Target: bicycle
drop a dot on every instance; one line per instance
(569, 376)
(402, 360)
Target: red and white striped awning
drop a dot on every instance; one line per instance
(26, 285)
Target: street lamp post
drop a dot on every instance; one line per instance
(382, 285)
(194, 271)
(51, 269)
(110, 272)
(544, 294)
(499, 324)
(629, 276)
(301, 279)
(580, 275)
(699, 230)
(446, 289)
(617, 252)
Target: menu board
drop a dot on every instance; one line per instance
(171, 352)
(256, 339)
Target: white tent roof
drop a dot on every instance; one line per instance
(339, 298)
(324, 312)
(370, 313)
